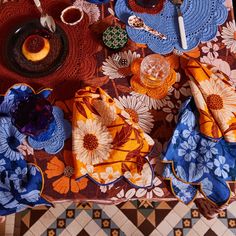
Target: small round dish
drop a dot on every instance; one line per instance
(16, 60)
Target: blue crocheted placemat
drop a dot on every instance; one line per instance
(55, 142)
(201, 18)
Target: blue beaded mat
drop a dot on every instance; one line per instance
(201, 18)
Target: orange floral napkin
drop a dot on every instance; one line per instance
(215, 98)
(106, 145)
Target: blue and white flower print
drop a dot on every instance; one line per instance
(20, 173)
(32, 196)
(175, 136)
(184, 195)
(184, 192)
(16, 93)
(19, 177)
(222, 168)
(204, 164)
(5, 193)
(199, 160)
(188, 118)
(208, 148)
(55, 142)
(191, 134)
(28, 178)
(6, 104)
(187, 150)
(2, 165)
(20, 182)
(16, 206)
(207, 186)
(52, 141)
(33, 170)
(10, 139)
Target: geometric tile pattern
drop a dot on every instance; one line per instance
(132, 218)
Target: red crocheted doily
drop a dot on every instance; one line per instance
(80, 62)
(137, 8)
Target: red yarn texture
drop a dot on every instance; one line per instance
(137, 8)
(80, 62)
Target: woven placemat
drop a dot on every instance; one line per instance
(201, 19)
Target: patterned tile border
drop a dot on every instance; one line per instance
(127, 219)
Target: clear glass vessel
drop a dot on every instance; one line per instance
(154, 71)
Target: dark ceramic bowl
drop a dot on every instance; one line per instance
(16, 61)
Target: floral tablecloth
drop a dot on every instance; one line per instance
(156, 117)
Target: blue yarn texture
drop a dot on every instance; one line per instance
(201, 18)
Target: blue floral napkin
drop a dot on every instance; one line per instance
(21, 110)
(201, 154)
(20, 182)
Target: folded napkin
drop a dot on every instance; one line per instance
(215, 98)
(21, 183)
(106, 144)
(202, 151)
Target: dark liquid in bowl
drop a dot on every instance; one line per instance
(72, 15)
(147, 3)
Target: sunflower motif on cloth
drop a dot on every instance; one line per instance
(215, 99)
(106, 143)
(119, 64)
(139, 113)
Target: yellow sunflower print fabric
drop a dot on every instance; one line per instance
(215, 98)
(106, 145)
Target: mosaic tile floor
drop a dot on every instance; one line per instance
(134, 218)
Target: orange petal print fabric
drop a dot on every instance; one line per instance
(64, 170)
(106, 144)
(215, 98)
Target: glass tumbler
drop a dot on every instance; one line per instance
(154, 71)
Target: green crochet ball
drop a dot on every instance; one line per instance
(115, 37)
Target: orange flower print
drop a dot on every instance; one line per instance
(65, 173)
(180, 60)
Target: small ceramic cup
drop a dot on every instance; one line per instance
(72, 15)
